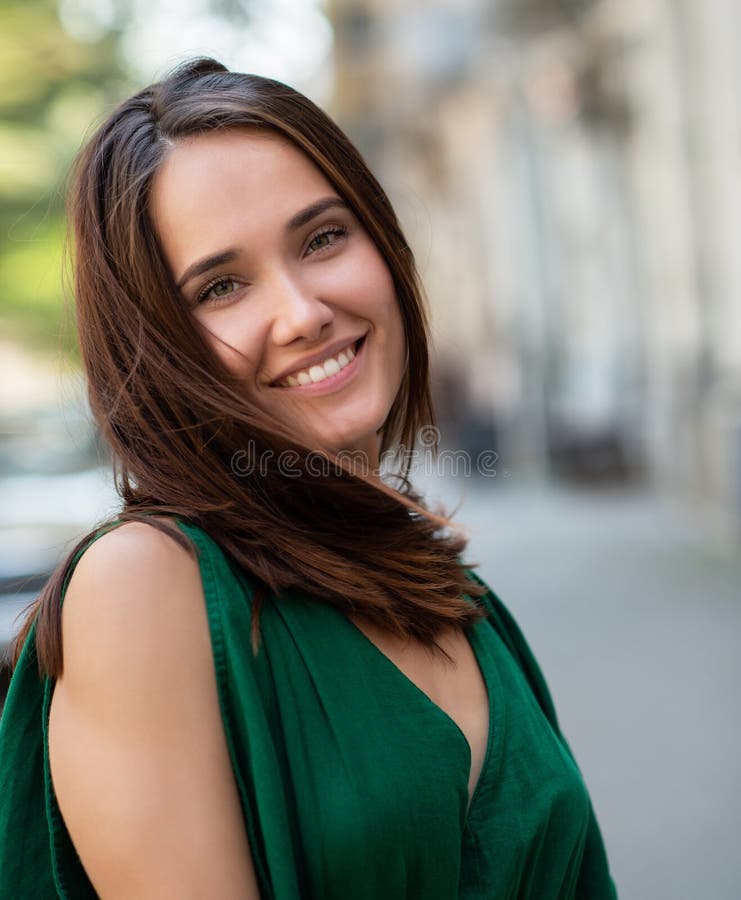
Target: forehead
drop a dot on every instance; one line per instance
(211, 184)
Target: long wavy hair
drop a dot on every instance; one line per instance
(174, 416)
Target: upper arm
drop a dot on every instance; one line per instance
(137, 750)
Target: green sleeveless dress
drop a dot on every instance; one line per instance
(354, 784)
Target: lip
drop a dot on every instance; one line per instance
(334, 382)
(308, 361)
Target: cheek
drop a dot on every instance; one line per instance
(396, 351)
(383, 307)
(235, 339)
(375, 284)
(398, 337)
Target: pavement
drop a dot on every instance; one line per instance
(632, 606)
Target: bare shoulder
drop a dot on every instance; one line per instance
(131, 586)
(135, 551)
(135, 628)
(137, 748)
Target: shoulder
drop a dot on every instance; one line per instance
(508, 629)
(145, 547)
(138, 752)
(133, 587)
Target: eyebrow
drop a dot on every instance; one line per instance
(314, 210)
(206, 264)
(303, 217)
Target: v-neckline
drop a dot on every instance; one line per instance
(473, 639)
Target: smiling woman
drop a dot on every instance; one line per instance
(295, 298)
(272, 680)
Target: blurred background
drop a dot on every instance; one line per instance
(569, 176)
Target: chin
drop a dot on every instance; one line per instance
(351, 443)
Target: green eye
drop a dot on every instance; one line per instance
(219, 290)
(321, 240)
(326, 239)
(222, 287)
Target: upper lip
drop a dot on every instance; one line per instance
(306, 362)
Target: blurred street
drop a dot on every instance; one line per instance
(634, 615)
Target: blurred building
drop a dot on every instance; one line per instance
(568, 174)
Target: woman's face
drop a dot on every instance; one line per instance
(292, 293)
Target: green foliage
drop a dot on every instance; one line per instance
(52, 88)
(33, 303)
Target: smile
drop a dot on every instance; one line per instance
(319, 372)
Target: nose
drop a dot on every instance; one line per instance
(298, 311)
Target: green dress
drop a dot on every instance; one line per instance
(354, 784)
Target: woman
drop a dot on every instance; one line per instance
(279, 679)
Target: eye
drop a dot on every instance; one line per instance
(218, 290)
(326, 238)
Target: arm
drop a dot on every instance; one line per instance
(137, 750)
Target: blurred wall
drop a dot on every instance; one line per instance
(568, 174)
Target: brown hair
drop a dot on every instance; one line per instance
(174, 417)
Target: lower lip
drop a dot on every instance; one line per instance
(334, 382)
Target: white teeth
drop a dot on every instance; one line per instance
(318, 373)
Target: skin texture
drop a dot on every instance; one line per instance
(288, 293)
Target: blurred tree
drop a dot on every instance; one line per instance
(52, 86)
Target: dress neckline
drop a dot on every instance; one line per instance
(473, 639)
